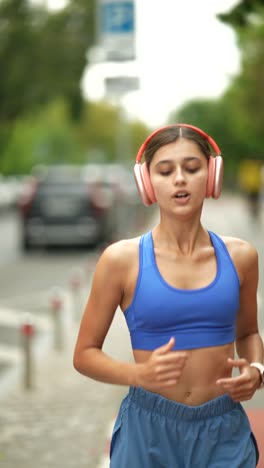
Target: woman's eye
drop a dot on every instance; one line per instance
(165, 173)
(192, 170)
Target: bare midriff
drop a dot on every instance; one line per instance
(197, 384)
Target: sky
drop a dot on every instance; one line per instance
(182, 52)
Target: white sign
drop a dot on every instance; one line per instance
(117, 86)
(116, 29)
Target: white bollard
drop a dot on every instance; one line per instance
(28, 331)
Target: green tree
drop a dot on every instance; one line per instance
(103, 133)
(236, 119)
(242, 14)
(215, 117)
(49, 136)
(44, 137)
(42, 55)
(245, 95)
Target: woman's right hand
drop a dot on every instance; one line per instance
(163, 369)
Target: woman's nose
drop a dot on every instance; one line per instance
(179, 176)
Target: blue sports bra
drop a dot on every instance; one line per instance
(197, 318)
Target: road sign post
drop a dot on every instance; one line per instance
(116, 29)
(116, 39)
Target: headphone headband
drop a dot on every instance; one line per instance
(196, 129)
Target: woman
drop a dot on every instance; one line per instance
(189, 297)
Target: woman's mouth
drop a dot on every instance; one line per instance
(181, 196)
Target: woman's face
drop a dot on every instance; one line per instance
(178, 173)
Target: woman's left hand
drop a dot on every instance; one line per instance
(242, 387)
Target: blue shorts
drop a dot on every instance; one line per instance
(153, 432)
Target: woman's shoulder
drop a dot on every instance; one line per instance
(239, 245)
(120, 254)
(242, 252)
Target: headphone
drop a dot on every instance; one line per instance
(215, 168)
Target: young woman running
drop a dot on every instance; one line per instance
(189, 297)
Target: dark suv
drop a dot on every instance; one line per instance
(60, 206)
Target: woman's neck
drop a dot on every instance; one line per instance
(180, 236)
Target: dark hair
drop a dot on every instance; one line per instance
(170, 135)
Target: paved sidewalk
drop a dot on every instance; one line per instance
(55, 424)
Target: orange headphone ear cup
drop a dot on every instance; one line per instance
(218, 176)
(215, 177)
(147, 183)
(143, 184)
(210, 177)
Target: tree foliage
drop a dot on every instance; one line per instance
(246, 95)
(105, 128)
(44, 118)
(42, 55)
(236, 119)
(215, 118)
(242, 14)
(49, 136)
(45, 136)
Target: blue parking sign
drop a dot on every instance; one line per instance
(117, 17)
(116, 29)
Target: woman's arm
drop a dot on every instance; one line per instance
(249, 344)
(105, 296)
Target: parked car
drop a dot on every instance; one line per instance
(60, 206)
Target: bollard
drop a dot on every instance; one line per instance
(56, 306)
(28, 331)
